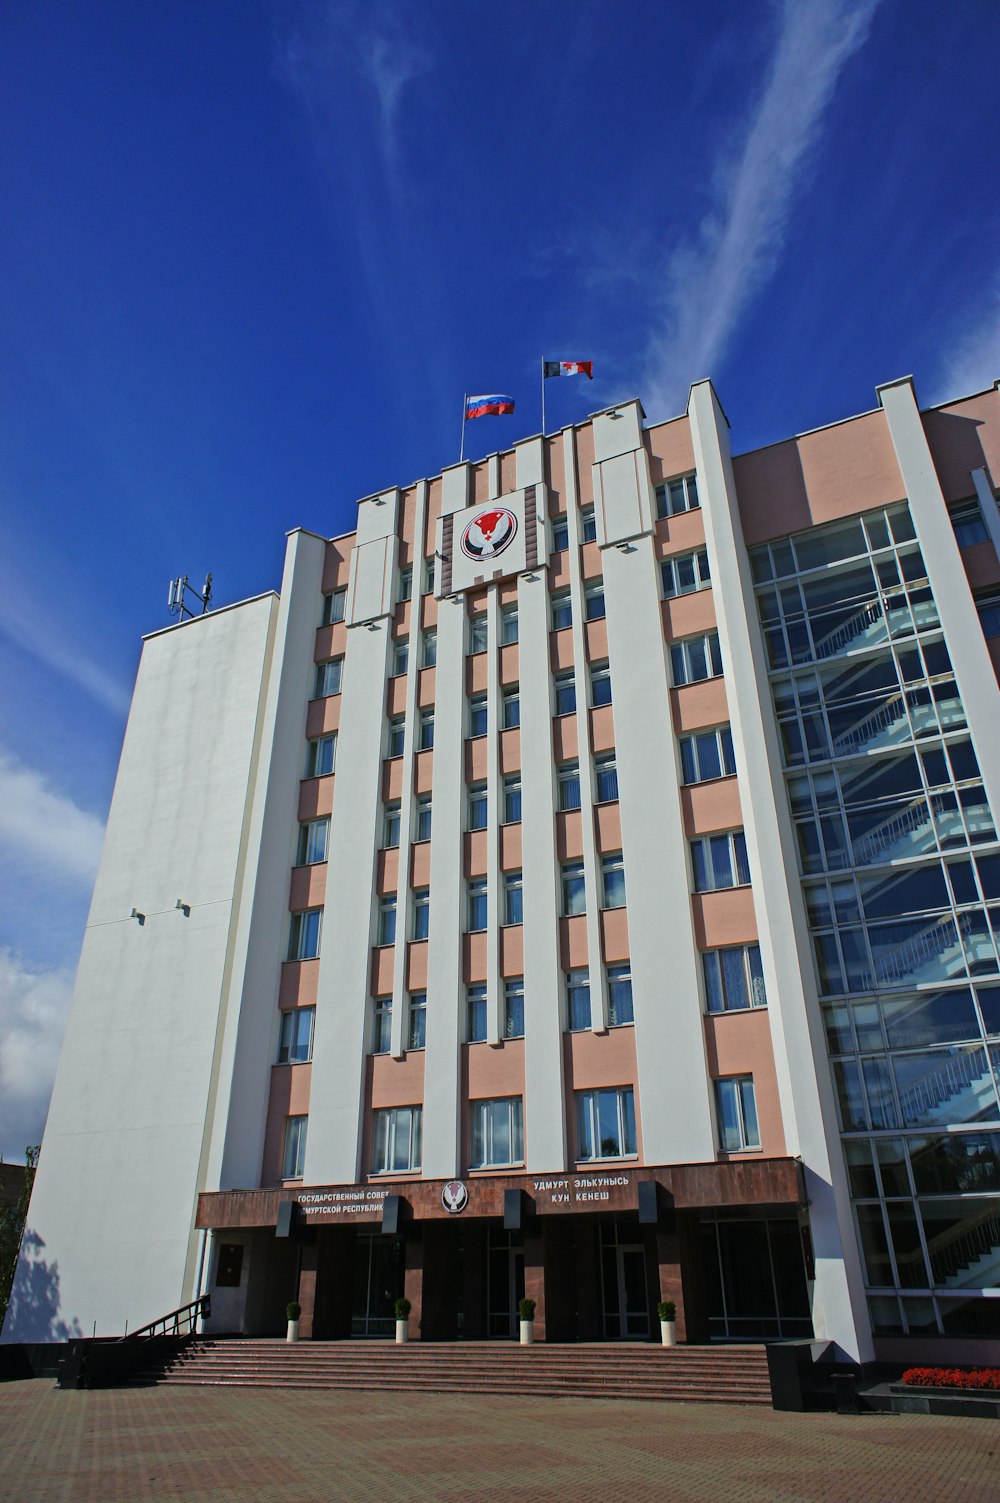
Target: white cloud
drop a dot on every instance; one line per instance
(33, 1009)
(45, 827)
(711, 279)
(973, 361)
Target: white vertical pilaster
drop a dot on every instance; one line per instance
(805, 1087)
(581, 679)
(988, 506)
(974, 671)
(399, 995)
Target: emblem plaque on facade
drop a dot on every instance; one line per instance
(489, 533)
(454, 1196)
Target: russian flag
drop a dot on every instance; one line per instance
(495, 406)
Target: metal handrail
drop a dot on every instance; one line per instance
(171, 1323)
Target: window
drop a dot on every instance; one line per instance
(396, 1140)
(573, 890)
(577, 1000)
(387, 919)
(321, 754)
(600, 684)
(476, 893)
(497, 1133)
(696, 658)
(508, 625)
(425, 729)
(685, 573)
(429, 576)
(475, 1014)
(477, 806)
(565, 692)
(562, 611)
(400, 657)
(394, 745)
(313, 838)
(560, 534)
(967, 520)
(422, 825)
(295, 1041)
(513, 898)
(513, 1007)
(512, 799)
(416, 1037)
(737, 1109)
(477, 715)
(708, 755)
(429, 648)
(511, 708)
(478, 631)
(720, 861)
(620, 995)
(606, 774)
(421, 912)
(568, 778)
(303, 935)
(605, 1123)
(406, 582)
(613, 880)
(333, 607)
(593, 600)
(390, 826)
(382, 1025)
(734, 978)
(293, 1156)
(677, 496)
(588, 525)
(988, 607)
(328, 678)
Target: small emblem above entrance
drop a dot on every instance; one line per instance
(454, 1196)
(489, 533)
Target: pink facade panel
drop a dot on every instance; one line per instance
(596, 635)
(416, 967)
(509, 665)
(475, 855)
(288, 1097)
(473, 958)
(569, 835)
(420, 864)
(696, 706)
(671, 451)
(387, 871)
(331, 642)
(614, 933)
(510, 751)
(561, 649)
(323, 715)
(739, 1043)
(512, 950)
(298, 984)
(712, 806)
(381, 970)
(510, 847)
(573, 942)
(316, 797)
(476, 759)
(396, 1082)
(680, 534)
(337, 563)
(395, 697)
(724, 918)
(564, 738)
(608, 827)
(689, 614)
(962, 437)
(981, 565)
(308, 887)
(602, 729)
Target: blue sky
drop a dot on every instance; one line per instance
(256, 250)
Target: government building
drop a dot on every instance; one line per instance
(581, 881)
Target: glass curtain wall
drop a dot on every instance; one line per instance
(900, 870)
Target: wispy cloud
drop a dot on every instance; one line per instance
(44, 634)
(972, 362)
(33, 1008)
(711, 279)
(42, 826)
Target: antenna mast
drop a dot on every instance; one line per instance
(177, 597)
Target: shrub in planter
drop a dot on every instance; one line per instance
(526, 1309)
(666, 1310)
(293, 1309)
(953, 1377)
(403, 1308)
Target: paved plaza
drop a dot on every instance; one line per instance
(271, 1446)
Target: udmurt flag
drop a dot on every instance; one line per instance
(569, 368)
(495, 406)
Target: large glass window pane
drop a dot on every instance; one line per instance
(727, 1097)
(956, 1163)
(608, 1130)
(734, 978)
(874, 1246)
(941, 1086)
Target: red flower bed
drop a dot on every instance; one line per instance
(953, 1377)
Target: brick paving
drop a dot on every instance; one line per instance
(269, 1446)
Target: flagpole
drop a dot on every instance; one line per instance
(543, 396)
(465, 406)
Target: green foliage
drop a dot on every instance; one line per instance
(403, 1308)
(293, 1309)
(526, 1309)
(13, 1215)
(666, 1310)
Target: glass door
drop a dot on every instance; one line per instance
(504, 1281)
(378, 1281)
(623, 1279)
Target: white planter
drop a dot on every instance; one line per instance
(527, 1332)
(293, 1331)
(668, 1332)
(402, 1332)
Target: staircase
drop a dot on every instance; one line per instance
(720, 1375)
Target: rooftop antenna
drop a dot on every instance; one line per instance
(177, 603)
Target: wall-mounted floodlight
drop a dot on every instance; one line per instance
(141, 917)
(185, 908)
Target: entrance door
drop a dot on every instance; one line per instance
(378, 1281)
(623, 1276)
(504, 1281)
